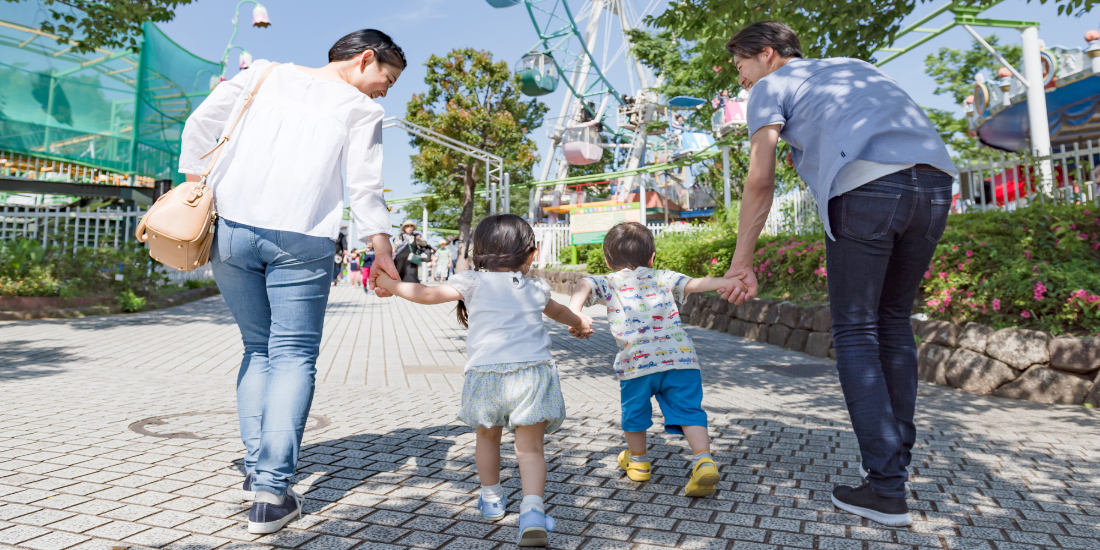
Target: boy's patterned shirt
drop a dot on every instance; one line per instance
(642, 312)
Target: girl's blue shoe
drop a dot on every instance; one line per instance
(533, 526)
(492, 510)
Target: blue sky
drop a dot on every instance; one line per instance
(301, 32)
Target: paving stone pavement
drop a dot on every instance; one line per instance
(121, 431)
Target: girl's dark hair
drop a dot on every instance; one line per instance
(502, 241)
(358, 42)
(752, 39)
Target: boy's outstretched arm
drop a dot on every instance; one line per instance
(579, 326)
(580, 295)
(704, 284)
(416, 292)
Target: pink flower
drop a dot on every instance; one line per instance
(1025, 315)
(1087, 212)
(955, 248)
(1039, 290)
(940, 310)
(928, 274)
(933, 302)
(1092, 299)
(969, 253)
(1027, 254)
(790, 270)
(714, 261)
(996, 305)
(943, 275)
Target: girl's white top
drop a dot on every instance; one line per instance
(286, 163)
(505, 317)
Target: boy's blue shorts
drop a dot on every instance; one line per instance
(679, 393)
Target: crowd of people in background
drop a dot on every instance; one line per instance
(416, 260)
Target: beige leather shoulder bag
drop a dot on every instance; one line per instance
(179, 227)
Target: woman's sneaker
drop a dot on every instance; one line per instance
(533, 528)
(246, 488)
(269, 514)
(863, 502)
(492, 510)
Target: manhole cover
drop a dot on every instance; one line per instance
(809, 370)
(205, 425)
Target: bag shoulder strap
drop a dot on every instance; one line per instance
(247, 102)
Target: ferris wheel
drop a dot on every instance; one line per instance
(582, 49)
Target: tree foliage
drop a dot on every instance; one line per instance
(109, 24)
(476, 101)
(954, 70)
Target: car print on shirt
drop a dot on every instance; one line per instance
(641, 342)
(651, 295)
(664, 338)
(671, 315)
(687, 360)
(627, 308)
(637, 322)
(641, 330)
(659, 318)
(640, 356)
(629, 332)
(668, 362)
(687, 349)
(643, 308)
(658, 329)
(626, 289)
(648, 365)
(660, 352)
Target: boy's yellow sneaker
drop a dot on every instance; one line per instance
(704, 476)
(636, 471)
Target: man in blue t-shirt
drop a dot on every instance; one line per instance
(881, 177)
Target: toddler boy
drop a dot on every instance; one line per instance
(656, 357)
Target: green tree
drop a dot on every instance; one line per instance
(954, 71)
(476, 101)
(104, 23)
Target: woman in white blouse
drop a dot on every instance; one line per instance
(278, 189)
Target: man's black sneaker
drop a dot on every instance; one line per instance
(863, 474)
(249, 493)
(268, 517)
(862, 501)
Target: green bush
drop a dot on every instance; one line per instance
(198, 283)
(130, 302)
(593, 260)
(28, 269)
(1038, 267)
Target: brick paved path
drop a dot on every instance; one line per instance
(120, 431)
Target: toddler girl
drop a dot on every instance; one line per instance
(510, 377)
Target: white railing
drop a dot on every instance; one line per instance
(1010, 181)
(794, 212)
(177, 277)
(100, 227)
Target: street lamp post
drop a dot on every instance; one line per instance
(259, 19)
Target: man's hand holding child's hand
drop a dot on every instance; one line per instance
(735, 283)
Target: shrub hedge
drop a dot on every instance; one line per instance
(29, 269)
(1038, 267)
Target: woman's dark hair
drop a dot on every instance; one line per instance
(628, 245)
(752, 40)
(358, 42)
(502, 241)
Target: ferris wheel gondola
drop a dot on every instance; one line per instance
(537, 74)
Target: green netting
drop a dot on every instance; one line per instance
(80, 107)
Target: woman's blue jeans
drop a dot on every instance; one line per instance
(886, 233)
(276, 284)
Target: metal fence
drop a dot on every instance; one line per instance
(552, 239)
(86, 228)
(1016, 180)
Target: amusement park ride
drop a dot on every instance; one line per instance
(599, 72)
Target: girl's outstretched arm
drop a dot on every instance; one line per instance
(416, 292)
(582, 327)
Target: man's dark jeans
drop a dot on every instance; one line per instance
(886, 233)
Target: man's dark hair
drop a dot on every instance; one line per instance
(629, 245)
(752, 40)
(358, 42)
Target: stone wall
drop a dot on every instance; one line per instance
(1011, 362)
